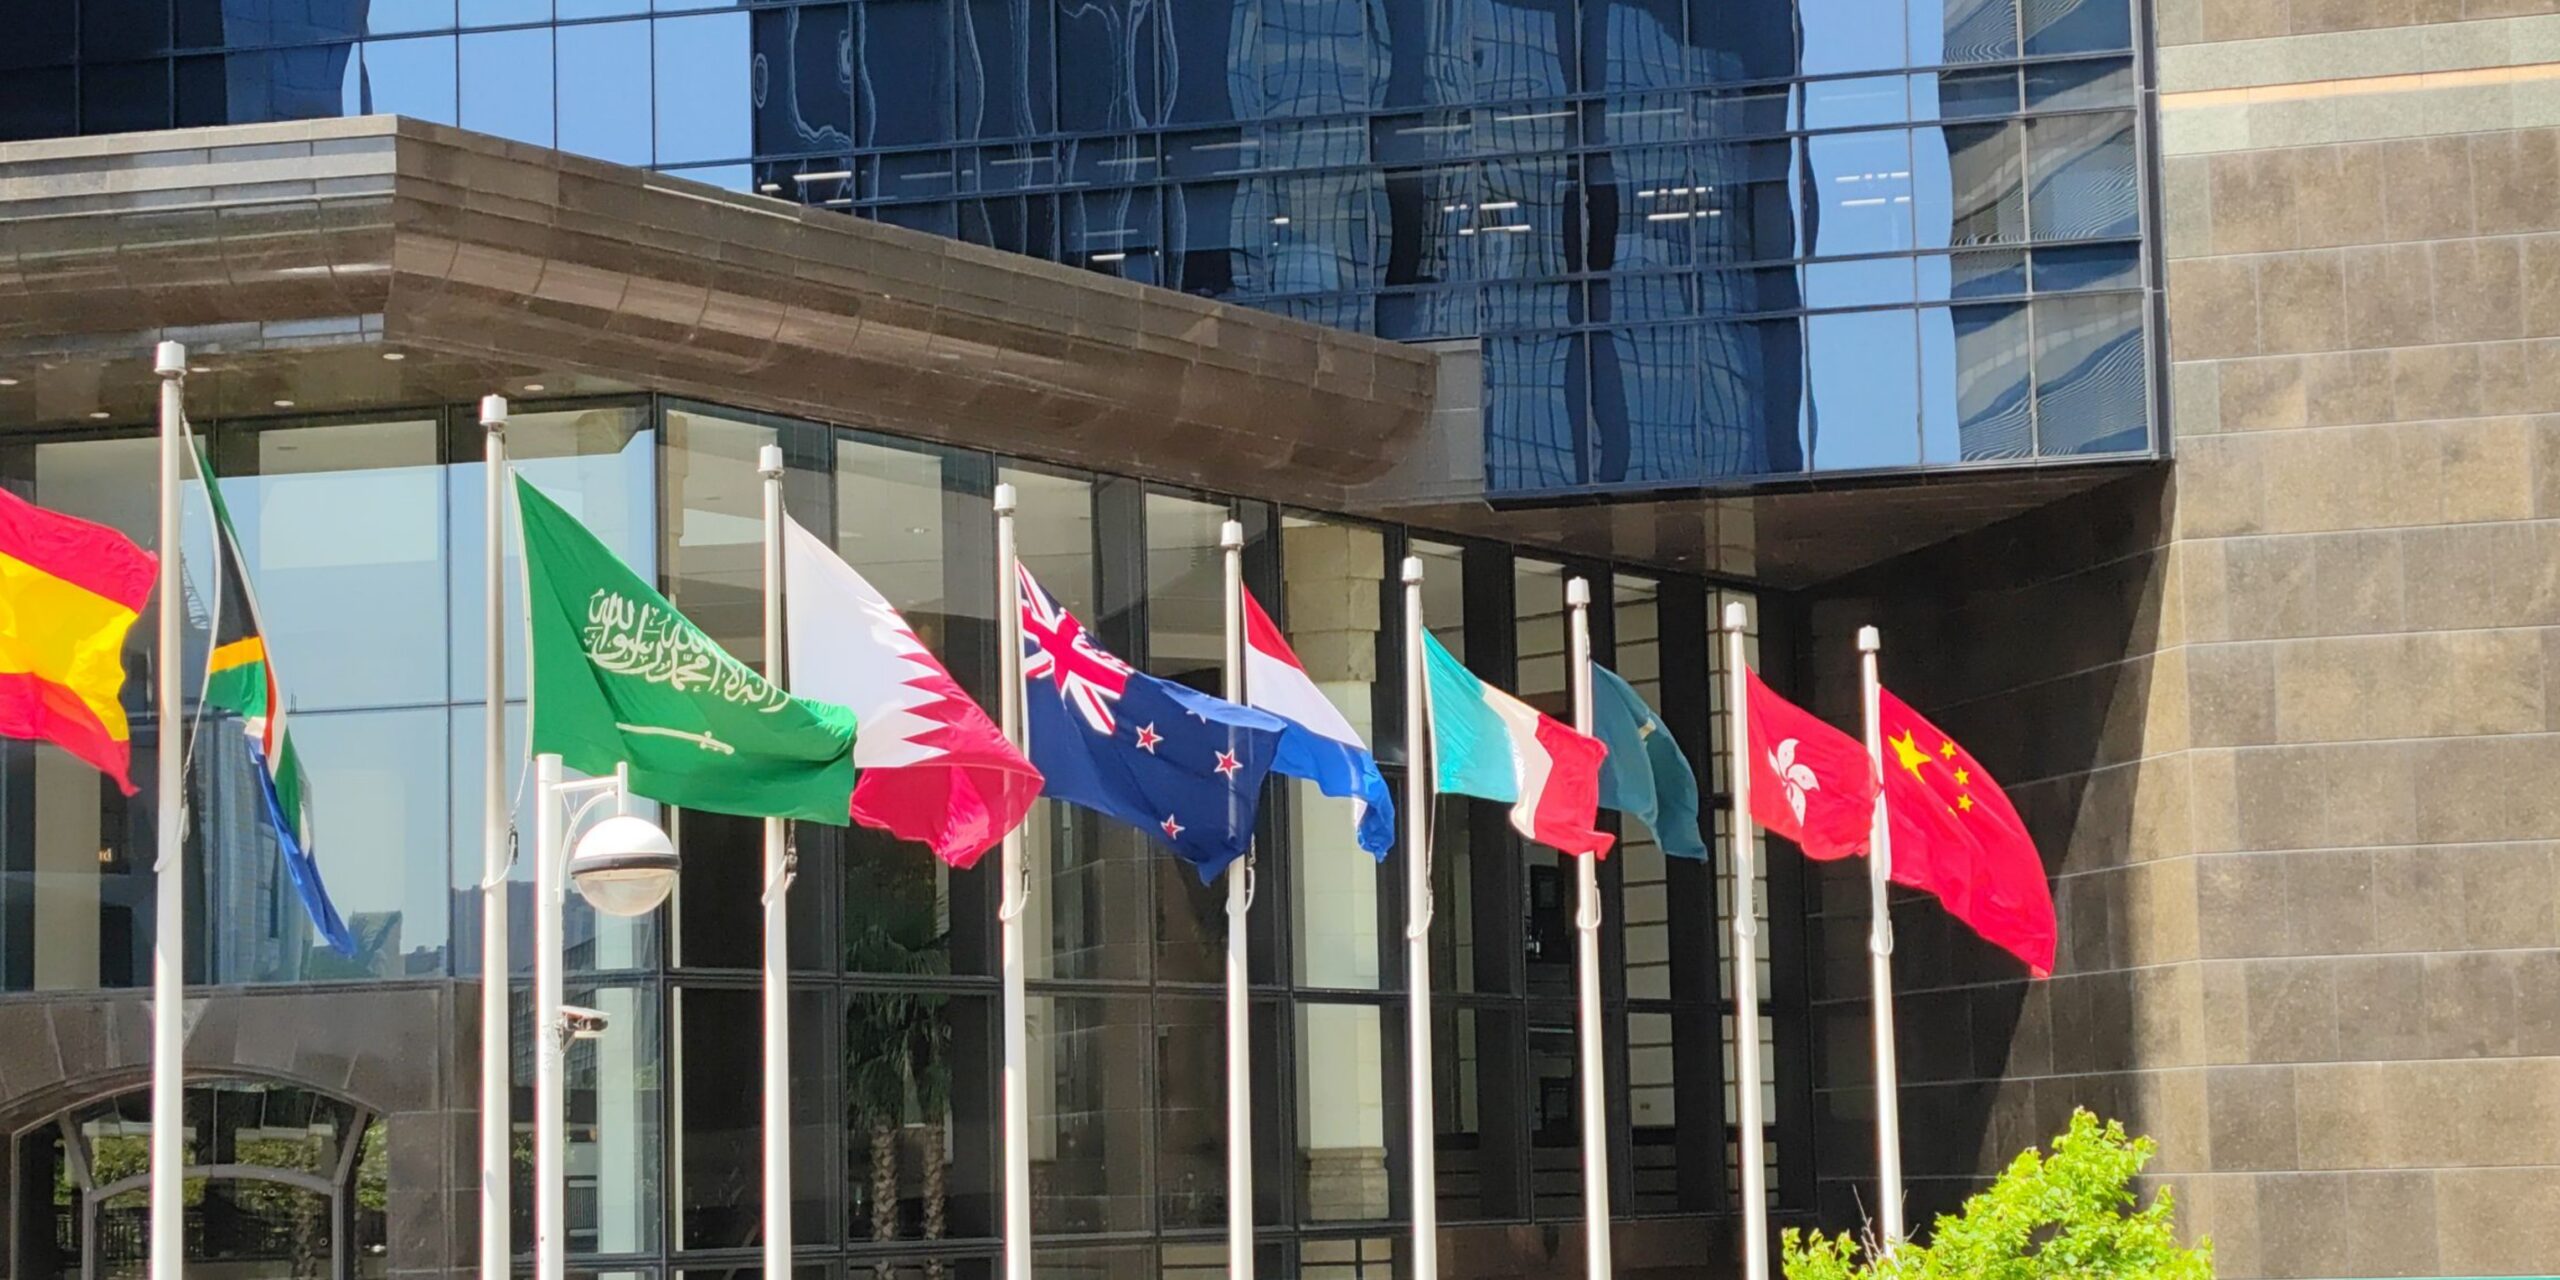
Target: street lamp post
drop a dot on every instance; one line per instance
(623, 866)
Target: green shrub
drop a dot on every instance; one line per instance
(2069, 1216)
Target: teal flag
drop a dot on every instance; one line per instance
(1646, 774)
(620, 677)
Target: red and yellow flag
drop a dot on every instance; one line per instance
(69, 590)
(1956, 835)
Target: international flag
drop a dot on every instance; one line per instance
(1645, 774)
(69, 591)
(621, 678)
(1955, 835)
(240, 678)
(1178, 764)
(1810, 783)
(933, 768)
(1319, 744)
(1488, 744)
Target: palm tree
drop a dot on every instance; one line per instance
(896, 1042)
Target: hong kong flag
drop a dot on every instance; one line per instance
(1810, 782)
(1957, 836)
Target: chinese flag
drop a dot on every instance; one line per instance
(1809, 782)
(1956, 836)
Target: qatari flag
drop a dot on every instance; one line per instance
(933, 768)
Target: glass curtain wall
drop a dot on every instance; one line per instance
(1699, 240)
(365, 539)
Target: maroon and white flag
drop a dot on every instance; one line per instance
(933, 767)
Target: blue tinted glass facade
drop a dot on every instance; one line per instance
(1699, 241)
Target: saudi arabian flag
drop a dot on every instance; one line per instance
(620, 677)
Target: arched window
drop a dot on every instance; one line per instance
(280, 1182)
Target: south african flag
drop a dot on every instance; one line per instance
(240, 679)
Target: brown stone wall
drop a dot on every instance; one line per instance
(2290, 733)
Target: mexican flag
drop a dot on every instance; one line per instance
(620, 677)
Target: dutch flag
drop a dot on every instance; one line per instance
(1319, 745)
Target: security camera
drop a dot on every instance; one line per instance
(581, 1023)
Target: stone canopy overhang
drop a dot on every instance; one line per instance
(344, 265)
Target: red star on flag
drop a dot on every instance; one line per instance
(1172, 829)
(1148, 738)
(1228, 765)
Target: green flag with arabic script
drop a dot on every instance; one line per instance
(620, 676)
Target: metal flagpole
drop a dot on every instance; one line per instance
(1012, 893)
(1746, 955)
(1417, 938)
(550, 1038)
(777, 919)
(496, 1078)
(1880, 961)
(169, 865)
(1239, 901)
(1586, 923)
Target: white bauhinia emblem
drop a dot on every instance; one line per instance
(1796, 778)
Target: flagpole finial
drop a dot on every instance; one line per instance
(1735, 618)
(769, 461)
(1870, 640)
(170, 360)
(1577, 593)
(1004, 500)
(493, 411)
(1412, 569)
(1231, 534)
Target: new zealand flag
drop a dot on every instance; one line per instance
(1183, 766)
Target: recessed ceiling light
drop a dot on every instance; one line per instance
(8, 382)
(99, 414)
(395, 355)
(197, 368)
(284, 404)
(533, 386)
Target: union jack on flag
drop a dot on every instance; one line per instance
(1056, 648)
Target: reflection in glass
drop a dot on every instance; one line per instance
(1333, 577)
(1863, 181)
(719, 1115)
(1985, 199)
(616, 1113)
(706, 109)
(1987, 381)
(1862, 372)
(1006, 70)
(1963, 31)
(1753, 382)
(803, 101)
(604, 100)
(2077, 26)
(592, 940)
(506, 84)
(904, 90)
(413, 78)
(1093, 1073)
(1653, 1113)
(2090, 368)
(2081, 183)
(1342, 1109)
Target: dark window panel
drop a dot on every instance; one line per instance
(41, 33)
(1206, 39)
(718, 1057)
(1984, 200)
(121, 28)
(1741, 40)
(2062, 268)
(1972, 93)
(803, 92)
(1630, 46)
(1312, 57)
(1007, 68)
(1110, 74)
(305, 83)
(903, 91)
(124, 97)
(1750, 389)
(1644, 402)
